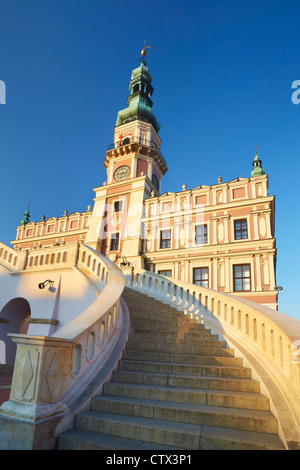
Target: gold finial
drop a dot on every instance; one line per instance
(144, 52)
(256, 149)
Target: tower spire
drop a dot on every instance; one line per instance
(139, 103)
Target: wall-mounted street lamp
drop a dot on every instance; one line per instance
(42, 285)
(124, 262)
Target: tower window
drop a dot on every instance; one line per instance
(241, 277)
(118, 206)
(200, 277)
(114, 242)
(136, 88)
(165, 239)
(240, 229)
(126, 141)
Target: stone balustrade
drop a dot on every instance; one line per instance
(45, 259)
(52, 258)
(267, 340)
(12, 259)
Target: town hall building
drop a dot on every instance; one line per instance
(220, 236)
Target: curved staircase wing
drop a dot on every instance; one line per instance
(56, 376)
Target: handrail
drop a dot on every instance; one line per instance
(267, 340)
(68, 360)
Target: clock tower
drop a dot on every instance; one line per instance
(135, 167)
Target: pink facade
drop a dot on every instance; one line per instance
(216, 231)
(53, 231)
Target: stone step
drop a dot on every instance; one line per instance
(209, 349)
(188, 395)
(150, 430)
(177, 358)
(189, 381)
(211, 438)
(214, 438)
(175, 433)
(189, 369)
(178, 342)
(76, 439)
(150, 334)
(183, 324)
(139, 307)
(159, 336)
(193, 413)
(196, 413)
(148, 313)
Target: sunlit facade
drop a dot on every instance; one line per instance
(220, 236)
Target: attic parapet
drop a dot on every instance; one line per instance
(54, 231)
(236, 191)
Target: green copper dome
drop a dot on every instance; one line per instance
(257, 167)
(25, 221)
(139, 101)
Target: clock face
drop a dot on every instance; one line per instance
(121, 173)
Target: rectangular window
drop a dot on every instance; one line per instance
(114, 242)
(241, 277)
(166, 272)
(240, 229)
(200, 234)
(200, 277)
(74, 224)
(165, 239)
(118, 206)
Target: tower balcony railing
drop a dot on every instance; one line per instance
(137, 140)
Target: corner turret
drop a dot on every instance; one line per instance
(257, 166)
(26, 220)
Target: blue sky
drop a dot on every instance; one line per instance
(222, 76)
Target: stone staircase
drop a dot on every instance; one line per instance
(177, 387)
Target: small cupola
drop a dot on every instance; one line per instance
(257, 166)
